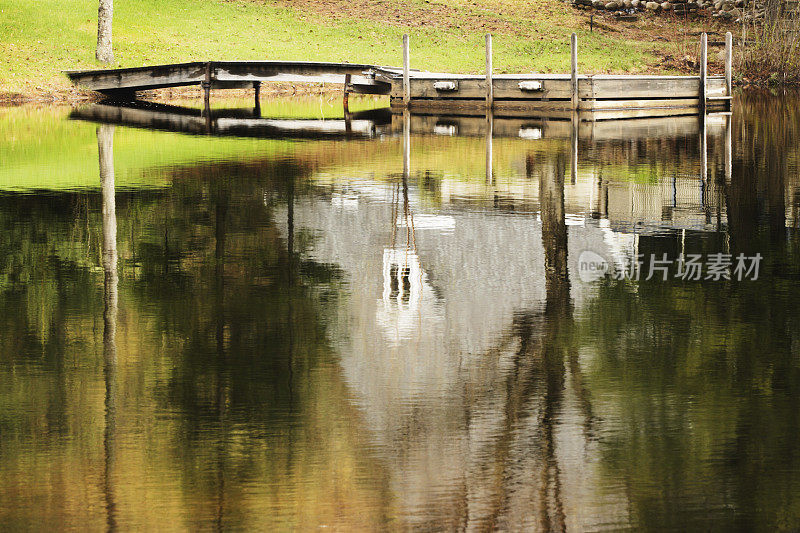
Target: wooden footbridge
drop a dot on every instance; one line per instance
(598, 97)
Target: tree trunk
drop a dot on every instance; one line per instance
(105, 15)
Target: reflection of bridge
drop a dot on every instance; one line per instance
(232, 122)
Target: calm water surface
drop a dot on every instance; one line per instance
(323, 324)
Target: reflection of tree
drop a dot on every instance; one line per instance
(211, 311)
(245, 311)
(528, 480)
(105, 144)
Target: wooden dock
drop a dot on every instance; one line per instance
(597, 97)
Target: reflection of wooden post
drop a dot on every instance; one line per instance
(703, 71)
(489, 83)
(105, 146)
(489, 140)
(406, 68)
(406, 144)
(703, 147)
(574, 69)
(728, 148)
(574, 169)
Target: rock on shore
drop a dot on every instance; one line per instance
(733, 10)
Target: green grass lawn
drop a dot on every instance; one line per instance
(38, 40)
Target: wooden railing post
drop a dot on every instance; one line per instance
(703, 70)
(406, 81)
(574, 70)
(489, 83)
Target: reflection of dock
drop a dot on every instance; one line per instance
(245, 122)
(232, 122)
(534, 128)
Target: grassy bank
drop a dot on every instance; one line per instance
(38, 41)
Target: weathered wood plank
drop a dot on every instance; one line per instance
(142, 77)
(181, 74)
(503, 88)
(619, 88)
(554, 89)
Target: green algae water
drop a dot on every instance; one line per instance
(297, 319)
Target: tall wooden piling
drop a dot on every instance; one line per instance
(207, 91)
(703, 70)
(406, 80)
(729, 64)
(489, 84)
(574, 69)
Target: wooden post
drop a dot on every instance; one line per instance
(257, 95)
(406, 81)
(489, 84)
(703, 71)
(729, 63)
(346, 97)
(574, 70)
(207, 91)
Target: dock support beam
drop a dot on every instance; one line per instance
(207, 90)
(406, 80)
(489, 84)
(703, 71)
(257, 97)
(574, 69)
(346, 96)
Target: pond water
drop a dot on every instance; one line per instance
(389, 322)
